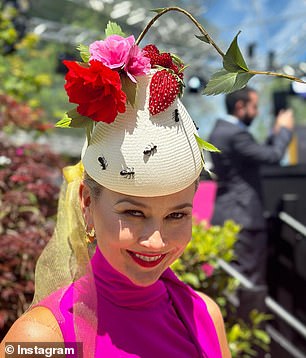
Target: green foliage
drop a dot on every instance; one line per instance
(233, 60)
(18, 70)
(28, 73)
(199, 267)
(8, 34)
(243, 337)
(113, 29)
(226, 82)
(158, 10)
(203, 38)
(84, 52)
(206, 145)
(72, 119)
(234, 75)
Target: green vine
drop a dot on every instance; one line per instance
(235, 73)
(161, 12)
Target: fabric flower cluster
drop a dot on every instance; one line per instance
(96, 86)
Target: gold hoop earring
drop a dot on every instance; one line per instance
(90, 235)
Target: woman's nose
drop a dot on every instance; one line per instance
(153, 241)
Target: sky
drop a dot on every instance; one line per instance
(273, 25)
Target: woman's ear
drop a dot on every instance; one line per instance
(86, 203)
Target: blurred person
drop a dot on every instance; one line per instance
(237, 169)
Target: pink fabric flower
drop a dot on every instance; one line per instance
(113, 52)
(138, 64)
(208, 269)
(117, 52)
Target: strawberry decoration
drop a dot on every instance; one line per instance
(164, 88)
(163, 59)
(166, 83)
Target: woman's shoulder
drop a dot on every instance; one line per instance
(215, 314)
(211, 305)
(37, 325)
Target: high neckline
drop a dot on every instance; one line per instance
(121, 291)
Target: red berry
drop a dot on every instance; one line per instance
(174, 68)
(152, 52)
(165, 60)
(151, 49)
(164, 88)
(154, 58)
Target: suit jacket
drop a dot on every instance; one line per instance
(237, 167)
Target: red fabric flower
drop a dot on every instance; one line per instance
(96, 89)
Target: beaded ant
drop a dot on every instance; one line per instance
(103, 162)
(150, 149)
(175, 115)
(128, 173)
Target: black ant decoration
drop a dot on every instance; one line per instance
(176, 115)
(150, 149)
(197, 128)
(103, 162)
(128, 173)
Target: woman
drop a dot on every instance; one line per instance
(135, 188)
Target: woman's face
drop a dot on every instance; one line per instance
(140, 236)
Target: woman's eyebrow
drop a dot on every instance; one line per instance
(131, 201)
(182, 206)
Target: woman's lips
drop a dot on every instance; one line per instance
(146, 260)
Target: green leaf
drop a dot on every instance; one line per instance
(113, 29)
(203, 38)
(235, 333)
(129, 88)
(226, 82)
(176, 59)
(158, 10)
(262, 336)
(233, 60)
(191, 279)
(84, 52)
(205, 145)
(73, 119)
(64, 122)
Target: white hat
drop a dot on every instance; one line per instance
(142, 154)
(142, 141)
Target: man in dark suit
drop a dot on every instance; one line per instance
(237, 167)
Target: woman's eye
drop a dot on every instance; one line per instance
(176, 216)
(134, 213)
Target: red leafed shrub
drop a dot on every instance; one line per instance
(17, 114)
(30, 177)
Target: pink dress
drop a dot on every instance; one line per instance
(166, 319)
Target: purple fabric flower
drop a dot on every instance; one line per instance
(117, 52)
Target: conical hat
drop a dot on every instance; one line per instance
(143, 155)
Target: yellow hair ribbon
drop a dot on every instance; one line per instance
(73, 172)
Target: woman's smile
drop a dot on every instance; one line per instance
(146, 260)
